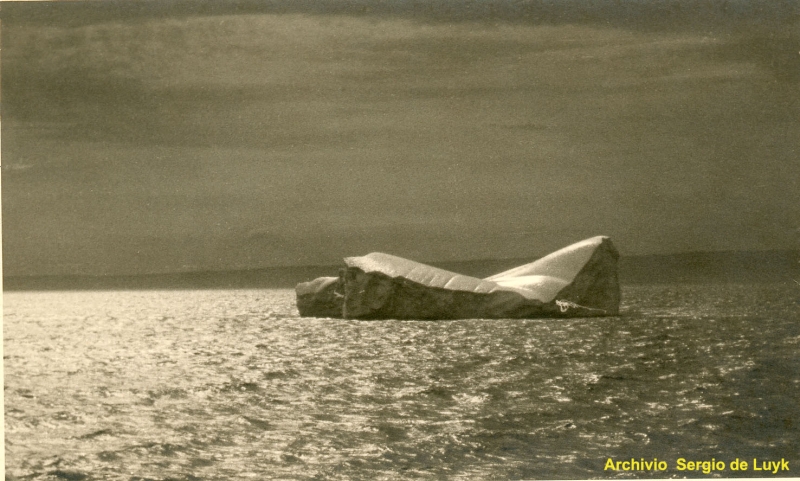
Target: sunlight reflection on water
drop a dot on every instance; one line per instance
(232, 384)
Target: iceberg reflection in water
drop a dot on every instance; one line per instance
(579, 280)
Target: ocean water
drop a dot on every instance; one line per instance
(231, 384)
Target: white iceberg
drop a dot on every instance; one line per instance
(578, 280)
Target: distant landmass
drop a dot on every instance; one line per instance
(691, 267)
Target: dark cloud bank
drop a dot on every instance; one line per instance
(163, 137)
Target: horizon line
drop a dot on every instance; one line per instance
(339, 265)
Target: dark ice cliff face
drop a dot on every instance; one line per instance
(233, 384)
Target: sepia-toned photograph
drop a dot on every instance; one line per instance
(400, 240)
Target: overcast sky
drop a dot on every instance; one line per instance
(157, 139)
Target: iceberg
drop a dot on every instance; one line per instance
(579, 280)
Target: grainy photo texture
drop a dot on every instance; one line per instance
(171, 171)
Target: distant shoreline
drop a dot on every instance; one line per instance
(692, 267)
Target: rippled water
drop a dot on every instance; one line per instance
(232, 384)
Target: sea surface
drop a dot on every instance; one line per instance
(232, 384)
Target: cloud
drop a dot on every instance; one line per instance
(247, 140)
(674, 14)
(270, 80)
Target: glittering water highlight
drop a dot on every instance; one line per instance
(231, 384)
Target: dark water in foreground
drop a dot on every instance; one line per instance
(232, 385)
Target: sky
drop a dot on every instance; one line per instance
(183, 136)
